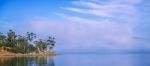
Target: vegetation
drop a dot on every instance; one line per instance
(25, 44)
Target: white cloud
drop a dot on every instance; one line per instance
(79, 34)
(108, 9)
(114, 32)
(76, 33)
(98, 34)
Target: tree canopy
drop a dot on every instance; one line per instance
(25, 43)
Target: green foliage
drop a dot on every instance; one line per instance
(41, 45)
(11, 39)
(51, 42)
(2, 40)
(31, 36)
(24, 44)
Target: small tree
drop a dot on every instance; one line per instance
(51, 42)
(11, 40)
(41, 45)
(31, 36)
(2, 40)
(22, 45)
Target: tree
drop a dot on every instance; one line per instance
(31, 36)
(41, 45)
(51, 42)
(11, 40)
(2, 40)
(22, 45)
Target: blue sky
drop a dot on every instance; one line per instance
(82, 25)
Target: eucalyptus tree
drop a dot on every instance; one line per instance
(2, 40)
(41, 45)
(11, 39)
(31, 36)
(22, 45)
(51, 42)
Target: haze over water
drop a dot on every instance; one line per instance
(75, 59)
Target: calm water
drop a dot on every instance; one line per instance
(79, 60)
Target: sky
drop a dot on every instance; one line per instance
(82, 25)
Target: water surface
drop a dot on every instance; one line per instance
(79, 60)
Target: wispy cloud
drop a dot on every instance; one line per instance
(106, 9)
(87, 34)
(114, 32)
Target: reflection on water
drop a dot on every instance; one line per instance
(27, 61)
(79, 60)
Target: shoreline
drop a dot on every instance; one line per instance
(29, 54)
